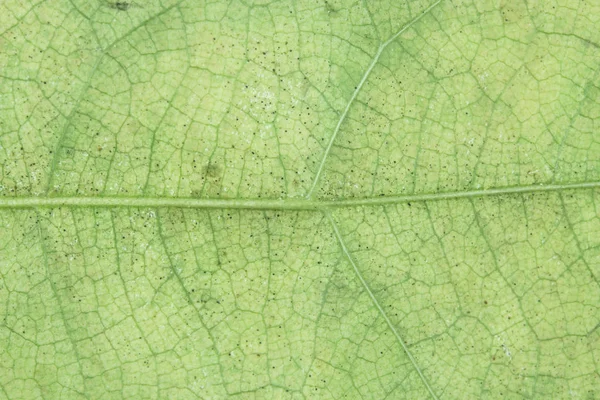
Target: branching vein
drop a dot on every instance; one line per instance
(378, 306)
(357, 90)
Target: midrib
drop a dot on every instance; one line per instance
(299, 204)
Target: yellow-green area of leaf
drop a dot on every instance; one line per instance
(261, 199)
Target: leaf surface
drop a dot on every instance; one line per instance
(298, 200)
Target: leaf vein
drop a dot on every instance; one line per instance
(275, 204)
(357, 90)
(378, 306)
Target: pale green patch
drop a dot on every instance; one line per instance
(299, 200)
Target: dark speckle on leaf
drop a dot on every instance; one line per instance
(212, 170)
(120, 5)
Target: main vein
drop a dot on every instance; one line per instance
(378, 306)
(274, 204)
(357, 90)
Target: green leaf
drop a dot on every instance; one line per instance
(299, 200)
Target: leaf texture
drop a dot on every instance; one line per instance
(299, 200)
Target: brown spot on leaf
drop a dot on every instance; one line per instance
(211, 170)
